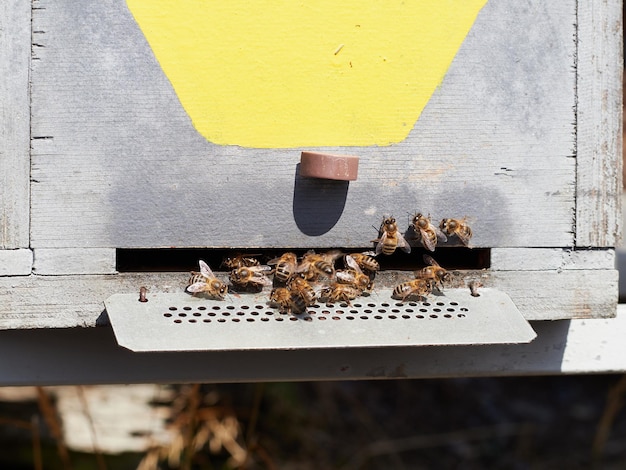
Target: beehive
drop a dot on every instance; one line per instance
(101, 152)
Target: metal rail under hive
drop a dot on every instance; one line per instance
(181, 322)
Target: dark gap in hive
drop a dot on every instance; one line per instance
(186, 259)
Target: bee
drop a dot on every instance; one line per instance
(239, 261)
(354, 276)
(337, 292)
(206, 283)
(432, 272)
(427, 233)
(286, 266)
(457, 227)
(303, 294)
(315, 265)
(415, 288)
(281, 296)
(390, 238)
(251, 276)
(366, 261)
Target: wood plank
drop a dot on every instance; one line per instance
(599, 123)
(16, 262)
(15, 45)
(540, 259)
(70, 301)
(58, 261)
(113, 147)
(562, 295)
(49, 357)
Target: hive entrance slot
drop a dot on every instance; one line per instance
(186, 259)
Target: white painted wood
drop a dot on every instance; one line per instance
(539, 259)
(49, 357)
(589, 259)
(526, 259)
(599, 123)
(553, 295)
(117, 162)
(70, 301)
(59, 261)
(16, 262)
(15, 44)
(122, 418)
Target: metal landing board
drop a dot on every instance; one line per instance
(181, 322)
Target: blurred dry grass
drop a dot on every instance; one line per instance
(521, 423)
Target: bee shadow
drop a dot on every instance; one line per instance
(317, 203)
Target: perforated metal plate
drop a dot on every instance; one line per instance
(180, 322)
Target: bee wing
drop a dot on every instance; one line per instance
(260, 270)
(402, 243)
(440, 235)
(263, 280)
(429, 260)
(344, 276)
(205, 270)
(332, 255)
(351, 262)
(369, 253)
(381, 242)
(303, 267)
(196, 287)
(465, 237)
(428, 243)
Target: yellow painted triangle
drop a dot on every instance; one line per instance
(284, 73)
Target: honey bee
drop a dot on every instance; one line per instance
(432, 272)
(457, 227)
(281, 296)
(427, 233)
(315, 265)
(366, 261)
(390, 238)
(239, 261)
(251, 276)
(354, 276)
(337, 292)
(415, 288)
(286, 266)
(206, 283)
(303, 294)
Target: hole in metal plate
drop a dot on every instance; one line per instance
(181, 322)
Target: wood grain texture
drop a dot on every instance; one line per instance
(565, 347)
(60, 261)
(70, 301)
(117, 162)
(599, 123)
(15, 45)
(17, 262)
(539, 259)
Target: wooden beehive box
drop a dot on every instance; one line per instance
(126, 126)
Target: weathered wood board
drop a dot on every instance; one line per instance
(72, 300)
(522, 135)
(599, 123)
(114, 149)
(15, 45)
